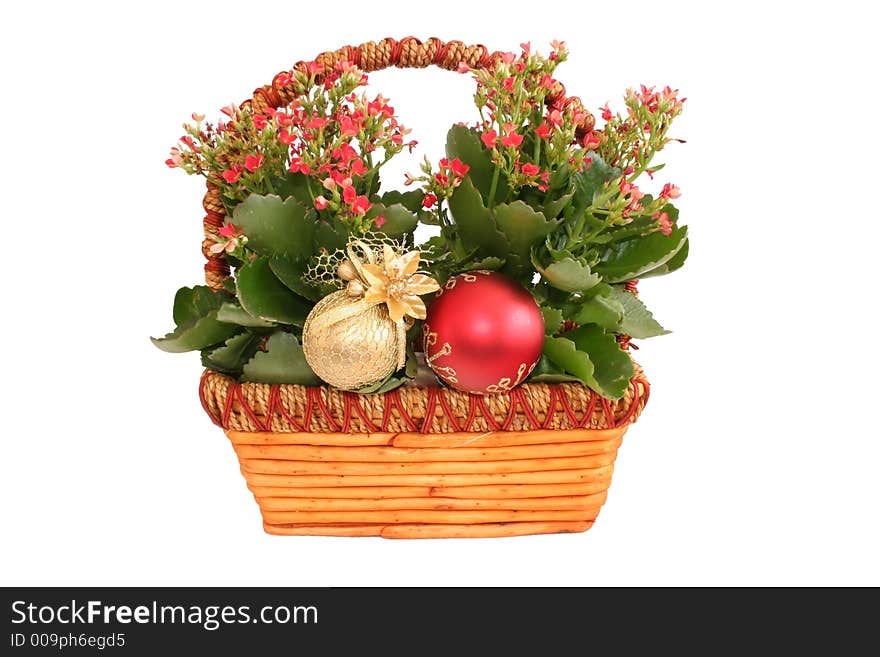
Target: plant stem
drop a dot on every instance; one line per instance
(494, 186)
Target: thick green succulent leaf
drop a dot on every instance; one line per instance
(564, 353)
(275, 227)
(283, 361)
(235, 314)
(553, 209)
(629, 259)
(567, 274)
(523, 229)
(193, 303)
(411, 200)
(613, 368)
(330, 236)
(552, 319)
(606, 311)
(399, 221)
(474, 223)
(591, 180)
(465, 144)
(264, 296)
(231, 357)
(637, 322)
(671, 265)
(290, 272)
(547, 372)
(294, 185)
(202, 333)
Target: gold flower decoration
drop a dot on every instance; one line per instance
(397, 283)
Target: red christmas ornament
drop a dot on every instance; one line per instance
(484, 333)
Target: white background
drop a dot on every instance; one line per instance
(755, 462)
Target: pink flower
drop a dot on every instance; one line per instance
(349, 195)
(175, 160)
(321, 202)
(260, 122)
(526, 48)
(458, 167)
(198, 118)
(670, 191)
(329, 184)
(230, 110)
(298, 166)
(463, 68)
(555, 117)
(511, 139)
(253, 162)
(358, 168)
(361, 205)
(664, 223)
(315, 68)
(508, 84)
(531, 169)
(228, 231)
(379, 221)
(232, 174)
(429, 200)
(489, 138)
(547, 81)
(606, 112)
(347, 127)
(591, 141)
(543, 131)
(285, 137)
(441, 179)
(317, 123)
(508, 57)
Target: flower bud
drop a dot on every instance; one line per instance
(346, 271)
(354, 288)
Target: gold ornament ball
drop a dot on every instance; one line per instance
(354, 352)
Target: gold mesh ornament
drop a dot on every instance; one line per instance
(357, 336)
(353, 352)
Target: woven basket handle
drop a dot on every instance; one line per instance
(409, 52)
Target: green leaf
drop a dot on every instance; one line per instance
(231, 357)
(411, 200)
(563, 353)
(235, 314)
(290, 272)
(552, 319)
(630, 258)
(674, 263)
(474, 223)
(399, 222)
(329, 236)
(638, 322)
(465, 144)
(490, 263)
(605, 311)
(547, 372)
(202, 333)
(613, 368)
(294, 185)
(275, 227)
(193, 303)
(553, 209)
(591, 180)
(262, 295)
(523, 228)
(567, 274)
(282, 362)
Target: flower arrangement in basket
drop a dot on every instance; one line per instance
(477, 383)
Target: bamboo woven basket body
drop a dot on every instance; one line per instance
(422, 461)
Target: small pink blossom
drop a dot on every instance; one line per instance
(260, 121)
(175, 160)
(321, 202)
(606, 112)
(198, 118)
(664, 223)
(361, 205)
(458, 167)
(358, 168)
(253, 162)
(429, 200)
(232, 174)
(349, 195)
(489, 138)
(379, 221)
(543, 131)
(591, 141)
(530, 169)
(463, 67)
(670, 191)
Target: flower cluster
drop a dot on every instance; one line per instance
(229, 239)
(439, 184)
(334, 138)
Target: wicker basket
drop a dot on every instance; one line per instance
(422, 461)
